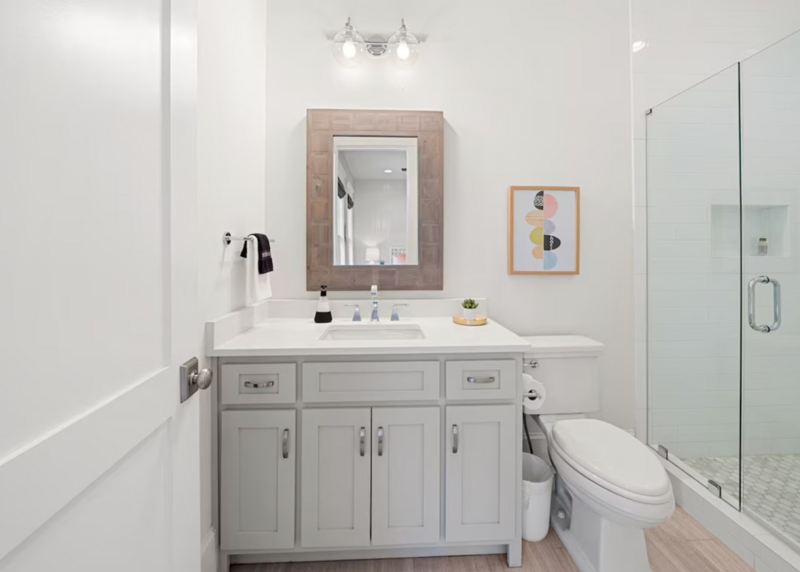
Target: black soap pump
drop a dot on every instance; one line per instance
(323, 315)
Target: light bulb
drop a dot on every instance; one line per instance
(403, 50)
(349, 49)
(404, 47)
(348, 46)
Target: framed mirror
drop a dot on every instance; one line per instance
(374, 200)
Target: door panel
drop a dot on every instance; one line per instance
(335, 477)
(481, 465)
(99, 164)
(133, 495)
(405, 475)
(257, 480)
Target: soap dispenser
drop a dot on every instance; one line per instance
(323, 315)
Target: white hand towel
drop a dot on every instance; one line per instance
(258, 287)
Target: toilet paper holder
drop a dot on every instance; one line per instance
(532, 363)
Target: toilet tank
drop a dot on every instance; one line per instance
(568, 368)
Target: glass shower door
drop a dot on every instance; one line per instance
(770, 104)
(693, 280)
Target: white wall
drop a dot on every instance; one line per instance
(379, 217)
(544, 98)
(686, 42)
(231, 151)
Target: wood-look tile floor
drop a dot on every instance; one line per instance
(679, 545)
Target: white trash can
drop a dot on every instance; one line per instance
(537, 488)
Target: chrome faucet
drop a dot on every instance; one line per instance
(395, 316)
(373, 293)
(356, 313)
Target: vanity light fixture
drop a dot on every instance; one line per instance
(387, 171)
(349, 48)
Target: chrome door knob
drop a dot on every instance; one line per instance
(202, 379)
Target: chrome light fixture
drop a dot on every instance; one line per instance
(350, 49)
(404, 47)
(348, 46)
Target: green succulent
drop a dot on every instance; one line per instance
(469, 304)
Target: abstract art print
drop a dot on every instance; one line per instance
(544, 230)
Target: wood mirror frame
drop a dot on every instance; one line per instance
(325, 124)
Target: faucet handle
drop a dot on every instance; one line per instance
(356, 313)
(395, 317)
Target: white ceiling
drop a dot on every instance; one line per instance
(369, 164)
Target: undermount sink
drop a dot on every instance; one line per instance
(354, 332)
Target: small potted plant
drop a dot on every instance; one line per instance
(470, 307)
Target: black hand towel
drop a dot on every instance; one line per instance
(264, 253)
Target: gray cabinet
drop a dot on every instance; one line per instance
(257, 480)
(379, 462)
(383, 455)
(481, 467)
(335, 493)
(405, 475)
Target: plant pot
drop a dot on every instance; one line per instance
(470, 313)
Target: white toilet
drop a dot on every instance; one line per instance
(609, 486)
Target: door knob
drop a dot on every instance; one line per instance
(192, 378)
(202, 379)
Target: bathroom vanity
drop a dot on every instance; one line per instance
(345, 441)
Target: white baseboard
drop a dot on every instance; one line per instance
(753, 543)
(209, 558)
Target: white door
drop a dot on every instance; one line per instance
(257, 484)
(335, 477)
(99, 460)
(405, 475)
(481, 473)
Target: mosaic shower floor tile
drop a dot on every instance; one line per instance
(771, 485)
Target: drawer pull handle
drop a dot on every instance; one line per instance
(476, 380)
(285, 443)
(258, 385)
(455, 439)
(380, 441)
(363, 444)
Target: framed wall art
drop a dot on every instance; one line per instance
(544, 230)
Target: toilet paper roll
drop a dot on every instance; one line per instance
(533, 395)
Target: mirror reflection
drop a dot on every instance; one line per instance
(375, 201)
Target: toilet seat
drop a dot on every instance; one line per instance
(612, 459)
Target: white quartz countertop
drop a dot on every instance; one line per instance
(300, 337)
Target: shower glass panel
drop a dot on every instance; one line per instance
(693, 280)
(770, 104)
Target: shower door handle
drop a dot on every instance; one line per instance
(776, 304)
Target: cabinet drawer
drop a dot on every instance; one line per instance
(370, 381)
(259, 383)
(488, 379)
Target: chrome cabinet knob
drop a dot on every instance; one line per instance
(202, 379)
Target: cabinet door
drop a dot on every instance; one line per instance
(481, 472)
(335, 477)
(405, 475)
(257, 480)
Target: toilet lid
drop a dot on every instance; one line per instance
(609, 454)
